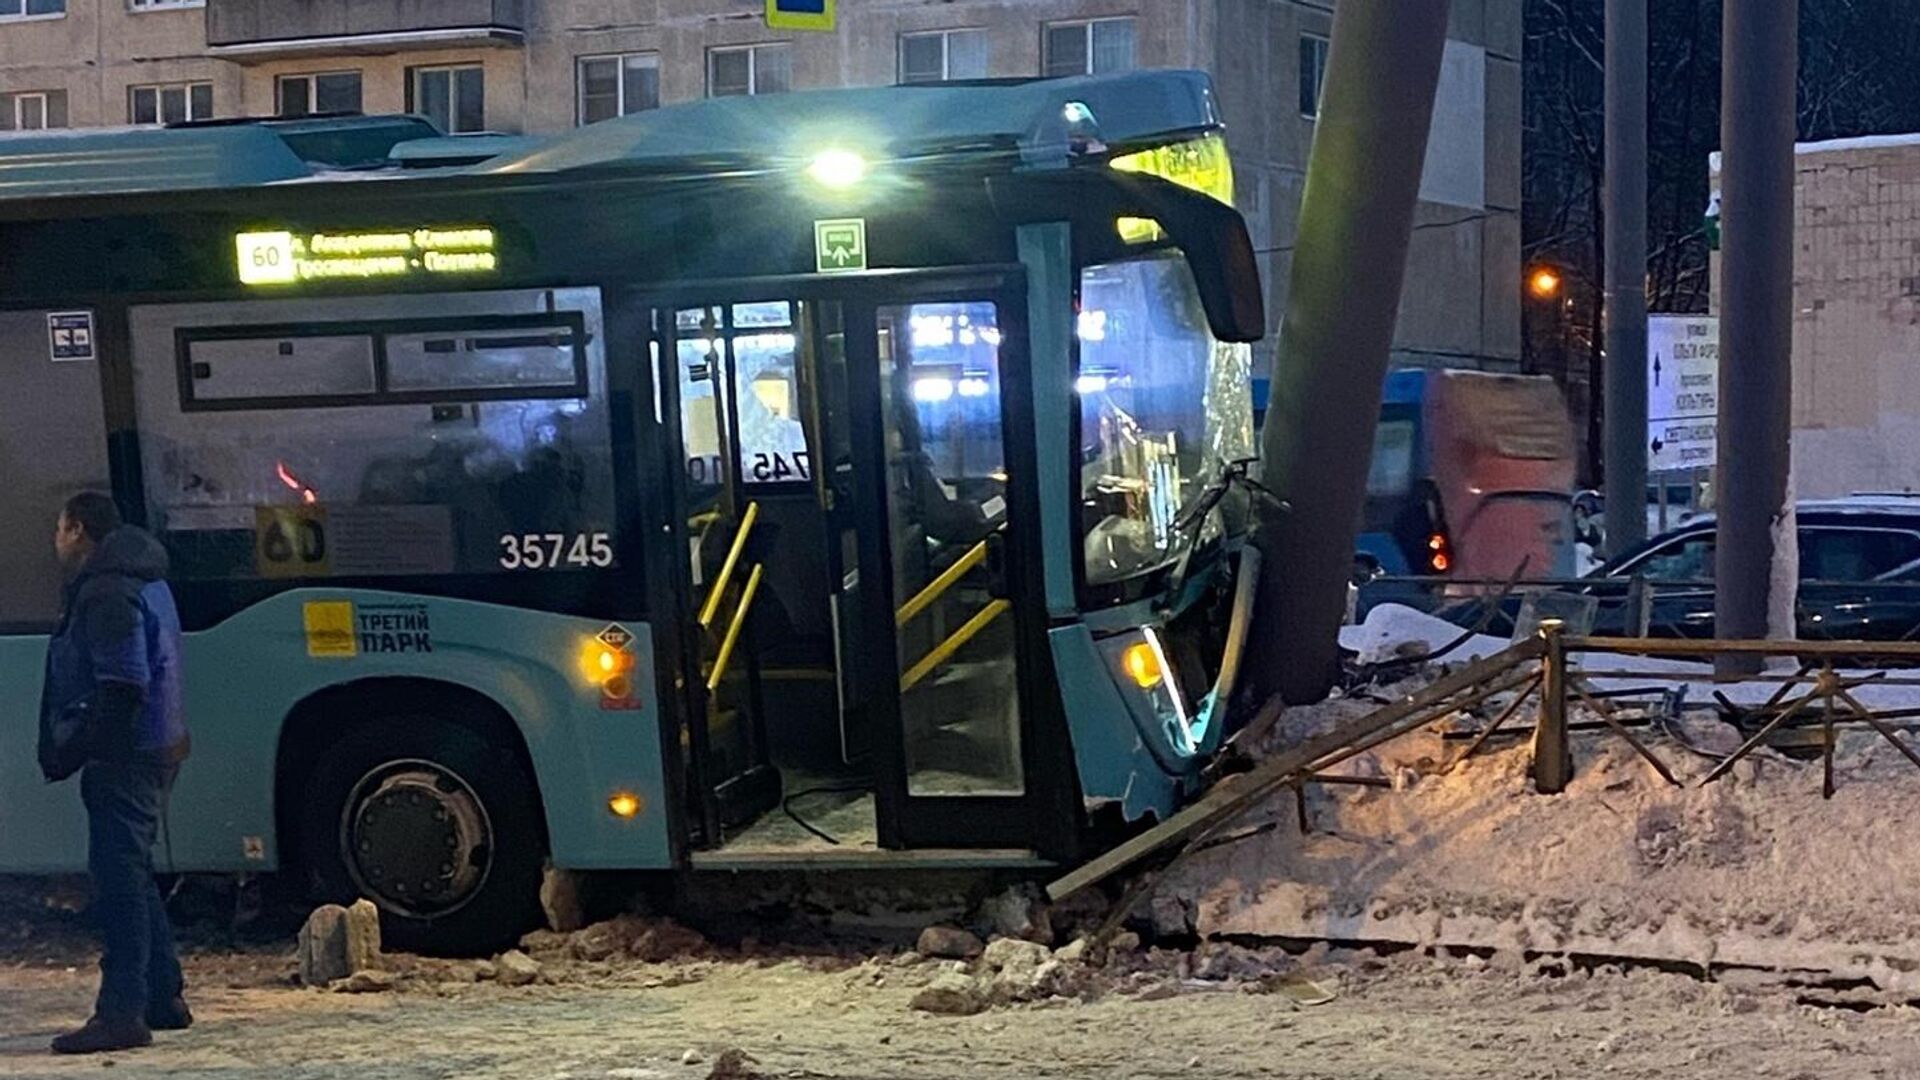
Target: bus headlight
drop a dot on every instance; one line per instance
(624, 804)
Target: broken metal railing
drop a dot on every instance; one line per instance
(1833, 668)
(1537, 668)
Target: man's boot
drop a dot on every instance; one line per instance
(170, 1015)
(101, 1034)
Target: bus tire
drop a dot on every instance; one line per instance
(442, 830)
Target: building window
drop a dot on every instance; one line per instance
(33, 110)
(1313, 73)
(327, 92)
(162, 5)
(943, 55)
(611, 86)
(455, 98)
(749, 69)
(32, 9)
(1091, 47)
(172, 104)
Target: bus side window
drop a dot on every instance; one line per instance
(480, 443)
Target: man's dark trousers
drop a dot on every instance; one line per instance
(138, 965)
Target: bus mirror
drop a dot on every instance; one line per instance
(1212, 234)
(1214, 237)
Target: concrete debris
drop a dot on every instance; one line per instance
(1020, 971)
(1018, 913)
(516, 968)
(666, 940)
(692, 1057)
(1073, 952)
(601, 940)
(734, 1064)
(545, 944)
(323, 946)
(950, 994)
(368, 981)
(484, 971)
(650, 940)
(1124, 942)
(560, 899)
(949, 943)
(1170, 916)
(1004, 954)
(363, 936)
(1224, 961)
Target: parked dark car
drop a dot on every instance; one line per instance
(1859, 577)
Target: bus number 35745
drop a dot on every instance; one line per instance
(555, 551)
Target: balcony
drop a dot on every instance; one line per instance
(246, 30)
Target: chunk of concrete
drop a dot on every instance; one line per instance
(1018, 913)
(368, 981)
(950, 994)
(560, 899)
(948, 943)
(363, 936)
(323, 946)
(1013, 954)
(515, 968)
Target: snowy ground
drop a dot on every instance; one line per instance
(1467, 927)
(1403, 1017)
(1755, 871)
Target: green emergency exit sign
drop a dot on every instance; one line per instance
(840, 244)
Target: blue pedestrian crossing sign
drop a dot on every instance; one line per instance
(800, 14)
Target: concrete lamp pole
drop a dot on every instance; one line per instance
(1754, 582)
(1626, 275)
(1356, 221)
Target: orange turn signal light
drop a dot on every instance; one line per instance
(1142, 665)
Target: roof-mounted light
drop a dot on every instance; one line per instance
(838, 169)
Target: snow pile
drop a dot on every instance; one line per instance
(1394, 631)
(1754, 870)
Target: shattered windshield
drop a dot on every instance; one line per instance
(1163, 405)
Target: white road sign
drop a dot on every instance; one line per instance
(1683, 392)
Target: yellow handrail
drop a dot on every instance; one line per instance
(925, 597)
(944, 651)
(712, 606)
(733, 629)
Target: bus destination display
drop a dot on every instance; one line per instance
(281, 258)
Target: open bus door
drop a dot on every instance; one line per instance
(856, 502)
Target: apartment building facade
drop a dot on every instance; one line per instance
(539, 66)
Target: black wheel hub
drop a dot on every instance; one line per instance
(416, 838)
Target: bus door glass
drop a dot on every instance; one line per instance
(763, 568)
(946, 477)
(943, 452)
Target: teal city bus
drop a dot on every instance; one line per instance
(833, 479)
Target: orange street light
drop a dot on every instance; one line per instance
(1544, 282)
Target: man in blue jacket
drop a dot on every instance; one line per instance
(112, 711)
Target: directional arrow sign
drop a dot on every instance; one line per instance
(1683, 392)
(840, 245)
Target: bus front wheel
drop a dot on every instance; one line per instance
(441, 830)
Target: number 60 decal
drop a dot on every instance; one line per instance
(555, 551)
